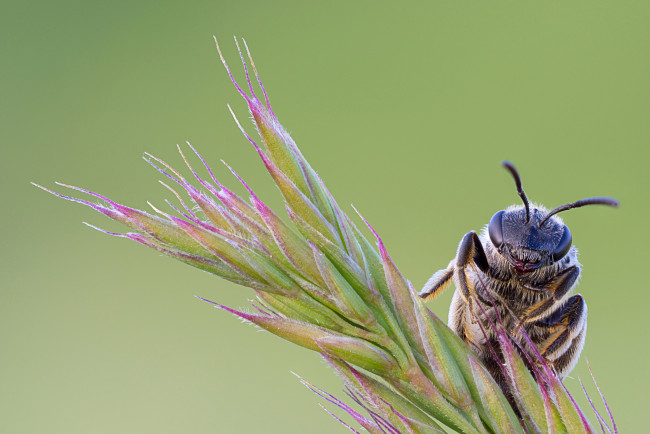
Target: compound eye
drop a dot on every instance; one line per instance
(495, 229)
(563, 246)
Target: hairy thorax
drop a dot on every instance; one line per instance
(503, 296)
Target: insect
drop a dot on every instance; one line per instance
(520, 272)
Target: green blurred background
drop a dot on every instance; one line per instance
(406, 111)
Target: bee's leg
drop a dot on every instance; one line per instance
(568, 327)
(470, 253)
(439, 281)
(470, 250)
(558, 287)
(457, 316)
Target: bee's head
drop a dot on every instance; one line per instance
(527, 238)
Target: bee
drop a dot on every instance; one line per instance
(519, 272)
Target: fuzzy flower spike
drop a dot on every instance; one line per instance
(323, 285)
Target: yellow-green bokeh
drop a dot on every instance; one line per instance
(405, 109)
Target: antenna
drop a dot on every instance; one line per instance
(511, 168)
(589, 201)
